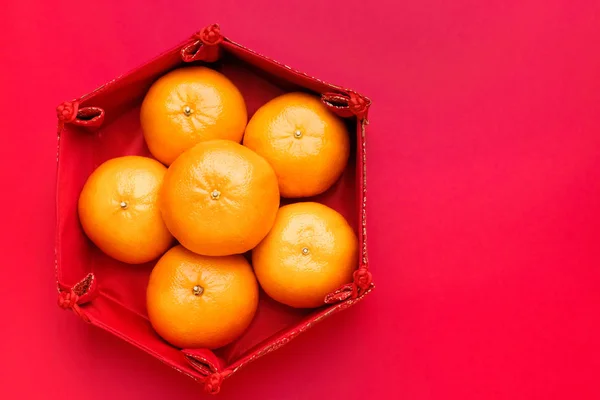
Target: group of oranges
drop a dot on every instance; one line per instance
(214, 186)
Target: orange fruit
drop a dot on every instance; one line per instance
(306, 144)
(196, 301)
(118, 209)
(189, 105)
(310, 252)
(219, 198)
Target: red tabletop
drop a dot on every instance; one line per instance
(484, 196)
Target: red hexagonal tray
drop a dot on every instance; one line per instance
(105, 124)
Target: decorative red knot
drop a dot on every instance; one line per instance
(358, 105)
(210, 35)
(362, 278)
(212, 384)
(67, 300)
(361, 282)
(67, 111)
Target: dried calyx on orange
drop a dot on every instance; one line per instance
(190, 105)
(306, 144)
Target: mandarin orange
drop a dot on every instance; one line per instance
(219, 198)
(118, 209)
(190, 105)
(196, 301)
(310, 252)
(305, 143)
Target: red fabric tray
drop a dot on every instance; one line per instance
(105, 124)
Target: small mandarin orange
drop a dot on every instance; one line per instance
(118, 209)
(196, 301)
(219, 198)
(310, 252)
(190, 105)
(306, 144)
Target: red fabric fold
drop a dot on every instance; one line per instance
(70, 112)
(347, 104)
(205, 47)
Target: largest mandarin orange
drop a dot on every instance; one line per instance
(118, 209)
(190, 105)
(305, 143)
(219, 198)
(196, 301)
(310, 252)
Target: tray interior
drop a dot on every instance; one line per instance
(120, 306)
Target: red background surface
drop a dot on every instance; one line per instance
(484, 169)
